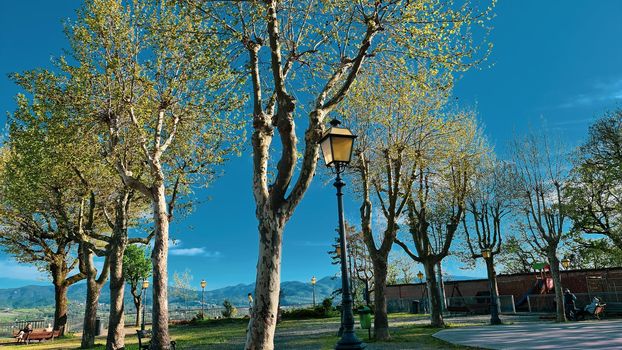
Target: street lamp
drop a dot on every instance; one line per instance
(566, 263)
(313, 281)
(494, 308)
(203, 284)
(336, 144)
(145, 286)
(486, 253)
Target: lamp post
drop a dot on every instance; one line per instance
(313, 281)
(145, 286)
(203, 284)
(420, 277)
(336, 144)
(494, 308)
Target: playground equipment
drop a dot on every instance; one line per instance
(542, 285)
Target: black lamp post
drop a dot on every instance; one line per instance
(313, 281)
(336, 144)
(203, 284)
(494, 308)
(145, 286)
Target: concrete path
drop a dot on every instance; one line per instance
(573, 335)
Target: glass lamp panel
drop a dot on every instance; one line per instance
(342, 147)
(326, 151)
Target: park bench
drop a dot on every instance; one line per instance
(38, 335)
(613, 309)
(146, 334)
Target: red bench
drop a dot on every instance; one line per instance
(37, 334)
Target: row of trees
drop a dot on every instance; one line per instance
(430, 173)
(105, 147)
(146, 105)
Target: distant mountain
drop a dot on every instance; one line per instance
(292, 293)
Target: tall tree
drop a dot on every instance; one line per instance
(314, 51)
(542, 179)
(437, 200)
(136, 268)
(159, 89)
(487, 209)
(594, 191)
(43, 201)
(394, 122)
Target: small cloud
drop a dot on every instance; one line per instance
(199, 251)
(601, 92)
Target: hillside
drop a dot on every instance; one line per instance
(292, 293)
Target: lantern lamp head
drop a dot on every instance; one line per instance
(486, 253)
(337, 144)
(313, 280)
(203, 284)
(145, 284)
(420, 275)
(566, 263)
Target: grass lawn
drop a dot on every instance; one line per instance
(291, 334)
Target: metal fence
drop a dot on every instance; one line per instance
(546, 302)
(480, 304)
(7, 328)
(413, 306)
(75, 317)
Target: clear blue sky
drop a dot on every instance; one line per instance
(555, 65)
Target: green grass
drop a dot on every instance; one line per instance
(291, 334)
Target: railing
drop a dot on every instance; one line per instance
(546, 302)
(75, 317)
(6, 328)
(481, 304)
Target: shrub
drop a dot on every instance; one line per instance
(321, 311)
(230, 310)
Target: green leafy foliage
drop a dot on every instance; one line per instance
(136, 265)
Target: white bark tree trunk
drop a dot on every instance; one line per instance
(265, 309)
(159, 258)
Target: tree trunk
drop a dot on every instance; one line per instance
(557, 283)
(60, 310)
(90, 313)
(159, 259)
(436, 314)
(381, 320)
(494, 291)
(268, 282)
(116, 319)
(138, 304)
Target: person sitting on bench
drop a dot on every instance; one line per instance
(591, 308)
(23, 332)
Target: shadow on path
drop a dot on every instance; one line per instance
(575, 335)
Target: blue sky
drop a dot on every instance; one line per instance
(555, 65)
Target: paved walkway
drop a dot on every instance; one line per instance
(573, 335)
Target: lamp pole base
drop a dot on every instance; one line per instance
(349, 341)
